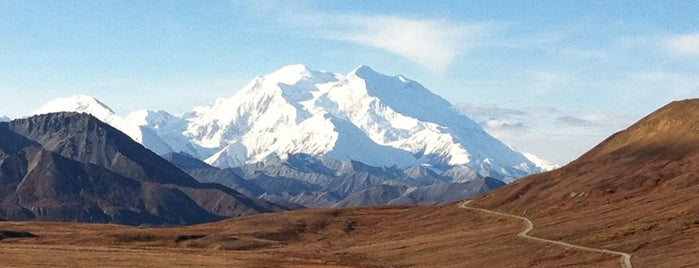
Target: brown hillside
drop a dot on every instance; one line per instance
(636, 192)
(445, 236)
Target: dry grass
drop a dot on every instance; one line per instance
(636, 192)
(363, 237)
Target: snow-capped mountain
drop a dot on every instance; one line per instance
(4, 119)
(544, 165)
(80, 104)
(158, 131)
(364, 116)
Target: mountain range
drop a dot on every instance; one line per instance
(311, 182)
(331, 135)
(629, 202)
(74, 167)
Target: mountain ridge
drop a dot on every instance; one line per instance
(415, 126)
(74, 167)
(634, 192)
(324, 136)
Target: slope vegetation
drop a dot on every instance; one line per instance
(635, 192)
(445, 236)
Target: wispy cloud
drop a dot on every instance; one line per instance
(432, 43)
(502, 123)
(489, 110)
(684, 44)
(547, 132)
(594, 120)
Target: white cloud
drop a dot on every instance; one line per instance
(552, 134)
(489, 110)
(684, 44)
(595, 120)
(502, 123)
(434, 44)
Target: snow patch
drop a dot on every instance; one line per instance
(541, 163)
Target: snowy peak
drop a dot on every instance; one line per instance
(541, 163)
(367, 73)
(4, 119)
(158, 131)
(78, 103)
(290, 74)
(364, 71)
(296, 73)
(408, 97)
(158, 120)
(362, 116)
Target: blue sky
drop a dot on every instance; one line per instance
(548, 77)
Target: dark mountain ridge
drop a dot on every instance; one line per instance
(309, 181)
(73, 167)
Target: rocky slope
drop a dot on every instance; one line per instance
(158, 131)
(310, 182)
(73, 167)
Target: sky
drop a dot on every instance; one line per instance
(552, 78)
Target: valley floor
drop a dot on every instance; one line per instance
(445, 236)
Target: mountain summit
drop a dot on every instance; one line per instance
(363, 116)
(159, 131)
(80, 104)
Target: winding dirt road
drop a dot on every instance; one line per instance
(625, 258)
